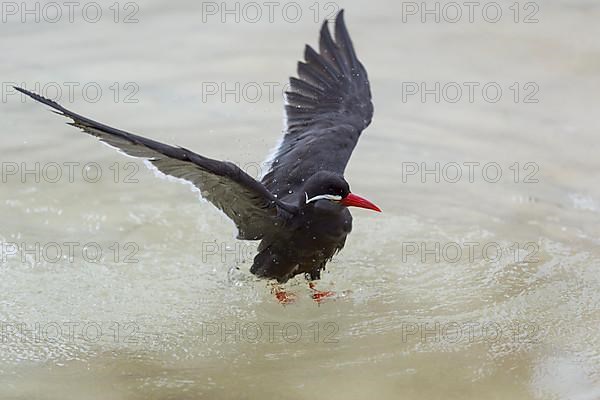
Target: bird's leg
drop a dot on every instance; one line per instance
(282, 296)
(319, 295)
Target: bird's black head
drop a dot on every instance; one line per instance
(325, 186)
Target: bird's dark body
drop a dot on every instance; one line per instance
(310, 240)
(297, 210)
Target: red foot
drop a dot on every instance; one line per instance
(284, 298)
(319, 295)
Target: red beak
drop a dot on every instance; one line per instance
(352, 200)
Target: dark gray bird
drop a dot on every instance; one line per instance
(299, 209)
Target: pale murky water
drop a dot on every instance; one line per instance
(162, 314)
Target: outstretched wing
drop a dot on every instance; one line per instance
(327, 108)
(247, 202)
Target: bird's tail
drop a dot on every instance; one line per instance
(270, 264)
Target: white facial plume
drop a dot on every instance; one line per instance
(322, 196)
